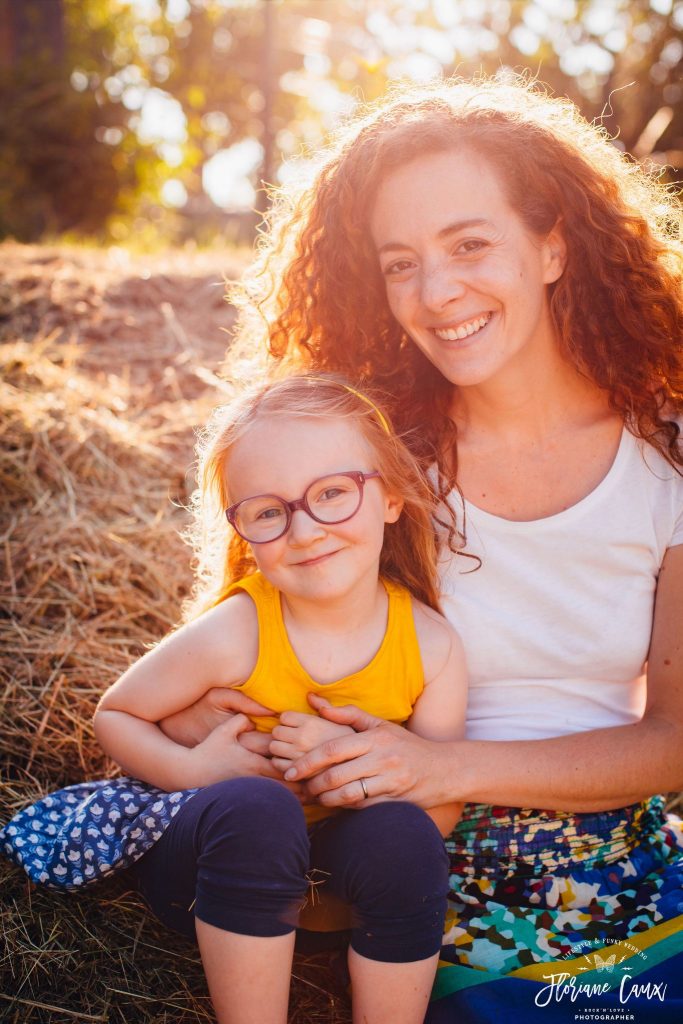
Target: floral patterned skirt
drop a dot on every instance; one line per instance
(555, 916)
(78, 835)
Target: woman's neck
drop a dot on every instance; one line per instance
(529, 448)
(529, 404)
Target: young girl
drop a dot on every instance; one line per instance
(327, 587)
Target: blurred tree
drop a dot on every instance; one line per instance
(619, 60)
(31, 29)
(56, 170)
(112, 112)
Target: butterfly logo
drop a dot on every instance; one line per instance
(600, 964)
(607, 964)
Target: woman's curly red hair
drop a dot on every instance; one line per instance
(315, 297)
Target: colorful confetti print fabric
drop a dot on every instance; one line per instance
(537, 895)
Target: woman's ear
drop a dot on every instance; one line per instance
(554, 254)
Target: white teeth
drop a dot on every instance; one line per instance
(465, 330)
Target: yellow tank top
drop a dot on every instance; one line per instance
(388, 686)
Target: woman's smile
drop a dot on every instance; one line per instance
(465, 329)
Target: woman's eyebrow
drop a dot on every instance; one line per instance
(446, 232)
(460, 225)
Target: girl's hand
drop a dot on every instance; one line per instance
(395, 764)
(222, 756)
(194, 723)
(298, 733)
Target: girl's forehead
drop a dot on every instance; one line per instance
(286, 449)
(268, 425)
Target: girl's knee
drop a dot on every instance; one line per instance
(252, 854)
(408, 851)
(249, 817)
(400, 890)
(404, 832)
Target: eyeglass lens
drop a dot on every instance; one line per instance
(329, 500)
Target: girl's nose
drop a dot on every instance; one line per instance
(304, 529)
(441, 284)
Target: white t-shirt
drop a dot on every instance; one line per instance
(556, 622)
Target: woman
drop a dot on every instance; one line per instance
(512, 283)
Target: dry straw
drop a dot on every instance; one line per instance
(105, 370)
(107, 367)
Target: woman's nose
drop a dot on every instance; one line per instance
(441, 284)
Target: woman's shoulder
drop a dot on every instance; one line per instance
(661, 457)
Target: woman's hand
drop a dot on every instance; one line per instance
(193, 724)
(394, 763)
(298, 733)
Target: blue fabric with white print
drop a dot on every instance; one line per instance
(84, 832)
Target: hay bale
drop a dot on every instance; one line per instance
(108, 365)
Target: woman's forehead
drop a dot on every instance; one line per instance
(435, 192)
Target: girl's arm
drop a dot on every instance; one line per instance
(218, 648)
(588, 771)
(440, 710)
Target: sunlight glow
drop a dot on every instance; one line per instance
(174, 193)
(225, 177)
(162, 118)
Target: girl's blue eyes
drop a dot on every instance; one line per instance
(270, 513)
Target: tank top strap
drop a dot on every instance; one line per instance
(401, 633)
(273, 646)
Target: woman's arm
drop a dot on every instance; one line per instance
(594, 770)
(220, 647)
(192, 724)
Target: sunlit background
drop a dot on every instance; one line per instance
(160, 120)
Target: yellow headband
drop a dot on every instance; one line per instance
(359, 394)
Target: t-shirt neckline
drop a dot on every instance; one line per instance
(583, 505)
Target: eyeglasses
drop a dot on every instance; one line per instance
(330, 499)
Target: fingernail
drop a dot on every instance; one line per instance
(290, 774)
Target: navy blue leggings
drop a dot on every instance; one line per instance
(237, 855)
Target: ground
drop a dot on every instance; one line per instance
(108, 364)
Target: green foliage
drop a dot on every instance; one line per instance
(57, 172)
(77, 152)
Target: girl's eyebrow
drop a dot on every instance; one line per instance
(450, 229)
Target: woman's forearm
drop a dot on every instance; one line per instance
(588, 771)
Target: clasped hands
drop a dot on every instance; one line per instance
(226, 744)
(324, 756)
